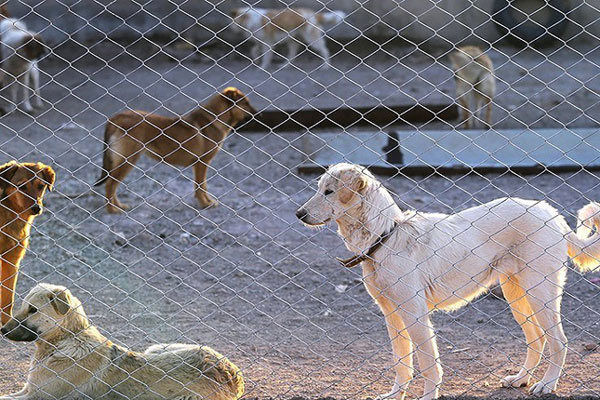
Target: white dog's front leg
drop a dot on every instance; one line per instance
(402, 349)
(418, 325)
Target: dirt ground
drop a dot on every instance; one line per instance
(246, 277)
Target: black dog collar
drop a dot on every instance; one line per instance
(357, 259)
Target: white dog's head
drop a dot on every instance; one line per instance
(340, 189)
(47, 311)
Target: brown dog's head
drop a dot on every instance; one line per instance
(238, 105)
(33, 47)
(48, 312)
(22, 187)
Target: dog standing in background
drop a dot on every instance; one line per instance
(475, 82)
(21, 50)
(190, 140)
(415, 263)
(269, 27)
(22, 189)
(72, 359)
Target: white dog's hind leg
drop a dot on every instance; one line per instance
(13, 90)
(318, 43)
(255, 52)
(267, 56)
(24, 85)
(35, 85)
(293, 46)
(402, 348)
(545, 303)
(534, 336)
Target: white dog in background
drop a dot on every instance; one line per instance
(21, 50)
(414, 263)
(269, 27)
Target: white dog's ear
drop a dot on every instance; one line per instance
(355, 186)
(61, 301)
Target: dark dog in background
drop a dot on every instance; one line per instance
(22, 189)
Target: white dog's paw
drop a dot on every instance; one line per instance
(515, 381)
(27, 108)
(541, 387)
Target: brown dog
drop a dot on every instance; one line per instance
(192, 139)
(22, 188)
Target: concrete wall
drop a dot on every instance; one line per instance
(429, 22)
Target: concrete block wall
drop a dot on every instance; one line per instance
(428, 22)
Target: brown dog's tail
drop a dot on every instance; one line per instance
(584, 244)
(106, 161)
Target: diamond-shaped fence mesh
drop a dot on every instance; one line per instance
(449, 150)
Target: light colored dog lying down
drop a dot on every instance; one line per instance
(72, 359)
(414, 263)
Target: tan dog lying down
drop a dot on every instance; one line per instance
(414, 263)
(73, 360)
(190, 140)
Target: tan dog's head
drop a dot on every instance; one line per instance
(22, 187)
(238, 105)
(339, 189)
(47, 312)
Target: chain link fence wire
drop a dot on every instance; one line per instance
(250, 299)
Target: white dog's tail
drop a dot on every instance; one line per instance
(331, 17)
(584, 244)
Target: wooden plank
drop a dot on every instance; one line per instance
(346, 117)
(453, 151)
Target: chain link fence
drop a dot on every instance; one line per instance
(202, 259)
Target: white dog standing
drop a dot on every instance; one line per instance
(21, 50)
(414, 263)
(269, 27)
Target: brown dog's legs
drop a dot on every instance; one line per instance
(116, 176)
(204, 198)
(8, 280)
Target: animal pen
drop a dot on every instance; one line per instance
(245, 276)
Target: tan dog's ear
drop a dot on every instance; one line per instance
(7, 172)
(233, 94)
(352, 188)
(61, 301)
(234, 13)
(48, 175)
